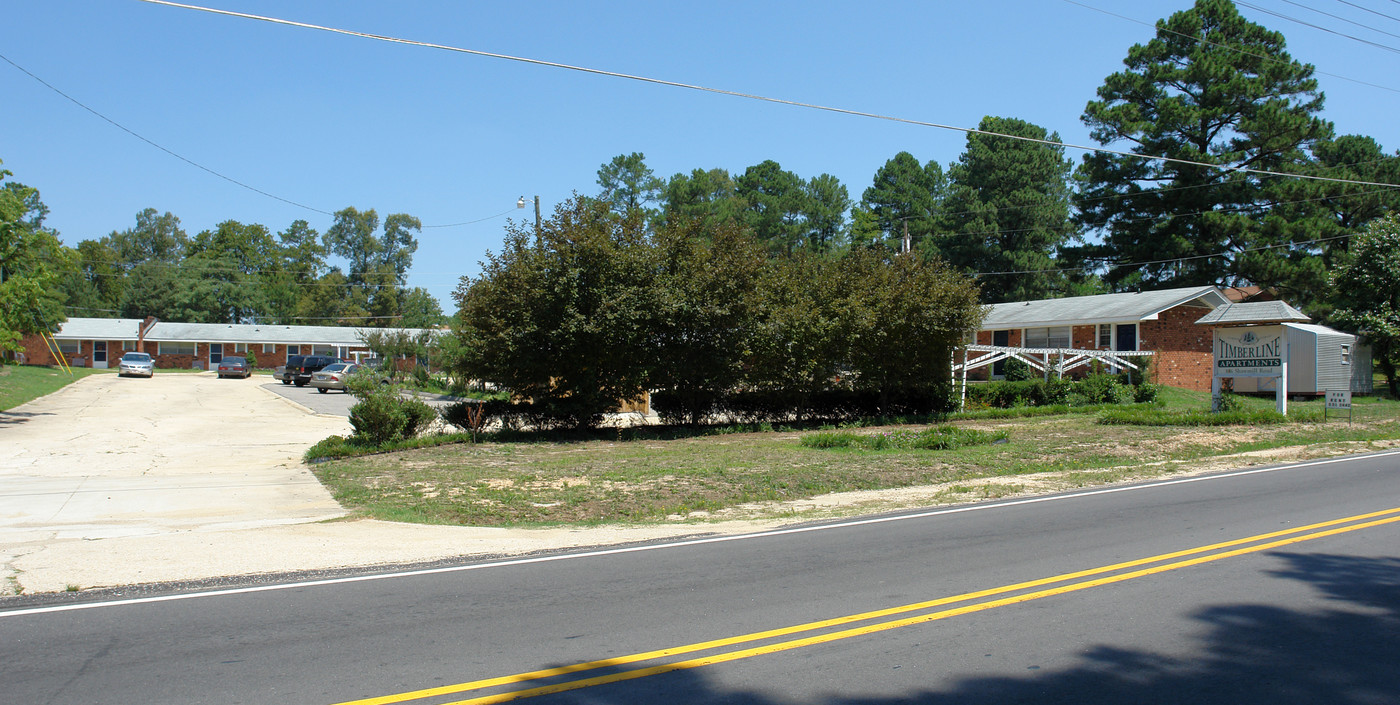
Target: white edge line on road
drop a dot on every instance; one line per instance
(688, 542)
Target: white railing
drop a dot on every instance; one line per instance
(1044, 360)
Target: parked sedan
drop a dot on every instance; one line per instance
(333, 376)
(235, 367)
(136, 364)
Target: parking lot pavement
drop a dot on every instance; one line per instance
(113, 457)
(333, 403)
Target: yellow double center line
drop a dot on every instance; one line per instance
(1116, 573)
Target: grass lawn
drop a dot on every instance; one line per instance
(22, 383)
(765, 475)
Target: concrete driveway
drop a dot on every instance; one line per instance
(186, 477)
(109, 457)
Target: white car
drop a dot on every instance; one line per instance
(136, 364)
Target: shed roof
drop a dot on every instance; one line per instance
(1253, 312)
(1316, 329)
(1130, 307)
(251, 333)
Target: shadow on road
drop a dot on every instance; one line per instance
(1349, 655)
(10, 418)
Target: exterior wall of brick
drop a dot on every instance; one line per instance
(1183, 349)
(36, 352)
(1184, 355)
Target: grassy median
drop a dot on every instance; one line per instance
(666, 476)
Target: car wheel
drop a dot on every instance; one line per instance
(286, 381)
(300, 383)
(322, 390)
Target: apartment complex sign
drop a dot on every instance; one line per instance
(1251, 351)
(1256, 351)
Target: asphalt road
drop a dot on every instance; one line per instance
(1270, 586)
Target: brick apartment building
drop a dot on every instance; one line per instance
(1161, 321)
(100, 342)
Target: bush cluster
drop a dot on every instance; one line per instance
(593, 308)
(1094, 389)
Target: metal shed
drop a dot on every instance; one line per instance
(1319, 359)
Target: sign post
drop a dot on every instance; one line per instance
(1251, 351)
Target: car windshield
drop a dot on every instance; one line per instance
(337, 367)
(136, 357)
(234, 361)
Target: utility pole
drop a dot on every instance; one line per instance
(521, 204)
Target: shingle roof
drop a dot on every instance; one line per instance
(1254, 312)
(1128, 307)
(127, 329)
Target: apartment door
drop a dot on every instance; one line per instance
(99, 354)
(1002, 338)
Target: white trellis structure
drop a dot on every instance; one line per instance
(1046, 360)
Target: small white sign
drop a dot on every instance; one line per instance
(1339, 399)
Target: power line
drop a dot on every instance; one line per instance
(748, 96)
(138, 136)
(1367, 9)
(1119, 265)
(199, 166)
(1230, 48)
(1318, 27)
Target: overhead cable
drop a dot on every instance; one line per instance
(748, 96)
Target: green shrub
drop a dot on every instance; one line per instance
(422, 375)
(1229, 401)
(1147, 393)
(383, 416)
(1102, 389)
(1016, 370)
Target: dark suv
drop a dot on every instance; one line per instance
(300, 367)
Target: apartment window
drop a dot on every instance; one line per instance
(128, 345)
(175, 349)
(68, 347)
(1054, 337)
(1105, 335)
(323, 350)
(269, 347)
(293, 349)
(1346, 354)
(240, 348)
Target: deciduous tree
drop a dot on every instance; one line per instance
(31, 263)
(1367, 294)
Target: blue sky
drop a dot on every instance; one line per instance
(331, 121)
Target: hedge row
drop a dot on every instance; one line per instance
(1094, 389)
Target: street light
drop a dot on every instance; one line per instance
(521, 204)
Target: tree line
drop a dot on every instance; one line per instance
(243, 273)
(1218, 95)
